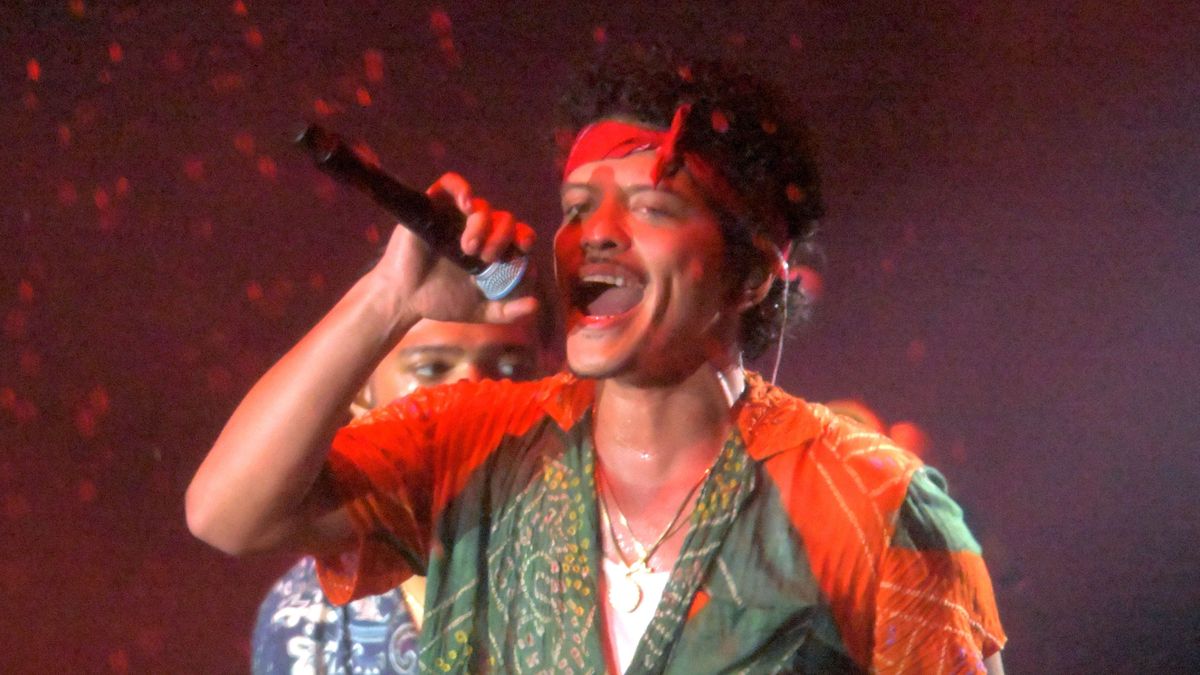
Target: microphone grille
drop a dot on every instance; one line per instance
(500, 278)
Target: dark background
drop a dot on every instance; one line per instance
(1013, 202)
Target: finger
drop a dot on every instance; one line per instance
(500, 237)
(454, 186)
(508, 311)
(524, 237)
(476, 229)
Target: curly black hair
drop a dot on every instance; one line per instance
(742, 125)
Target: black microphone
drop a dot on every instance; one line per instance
(439, 225)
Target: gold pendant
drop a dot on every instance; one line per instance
(624, 593)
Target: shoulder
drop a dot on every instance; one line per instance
(794, 437)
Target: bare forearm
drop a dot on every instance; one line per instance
(254, 489)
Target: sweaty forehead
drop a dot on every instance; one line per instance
(430, 333)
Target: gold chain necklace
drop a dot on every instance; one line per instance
(626, 594)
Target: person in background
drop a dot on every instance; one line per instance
(298, 630)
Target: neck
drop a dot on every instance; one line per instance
(649, 438)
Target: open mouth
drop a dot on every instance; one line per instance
(606, 293)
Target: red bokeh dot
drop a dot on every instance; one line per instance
(720, 122)
(25, 291)
(372, 234)
(911, 437)
(363, 96)
(193, 168)
(86, 491)
(795, 42)
(373, 65)
(254, 38)
(244, 143)
(239, 8)
(266, 167)
(116, 53)
(85, 422)
(64, 135)
(600, 35)
(118, 661)
(254, 291)
(76, 8)
(122, 186)
(794, 193)
(101, 199)
(322, 108)
(33, 70)
(439, 21)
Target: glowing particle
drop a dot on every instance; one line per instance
(244, 143)
(795, 42)
(322, 108)
(254, 291)
(439, 21)
(85, 422)
(122, 186)
(737, 39)
(98, 399)
(253, 37)
(86, 491)
(67, 195)
(795, 194)
(239, 8)
(115, 53)
(33, 70)
(450, 52)
(600, 35)
(769, 126)
(193, 168)
(362, 96)
(76, 7)
(118, 661)
(104, 76)
(720, 123)
(64, 135)
(372, 234)
(25, 291)
(373, 65)
(266, 167)
(684, 72)
(366, 154)
(101, 199)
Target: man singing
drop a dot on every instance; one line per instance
(656, 508)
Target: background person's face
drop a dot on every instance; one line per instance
(436, 352)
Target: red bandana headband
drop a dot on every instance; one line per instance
(612, 139)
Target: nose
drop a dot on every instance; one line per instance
(604, 229)
(471, 372)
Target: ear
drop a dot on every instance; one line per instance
(758, 283)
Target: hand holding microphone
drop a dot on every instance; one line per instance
(442, 226)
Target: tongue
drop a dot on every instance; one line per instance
(614, 300)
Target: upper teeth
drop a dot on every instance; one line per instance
(604, 279)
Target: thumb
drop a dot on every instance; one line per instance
(508, 311)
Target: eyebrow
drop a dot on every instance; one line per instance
(456, 349)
